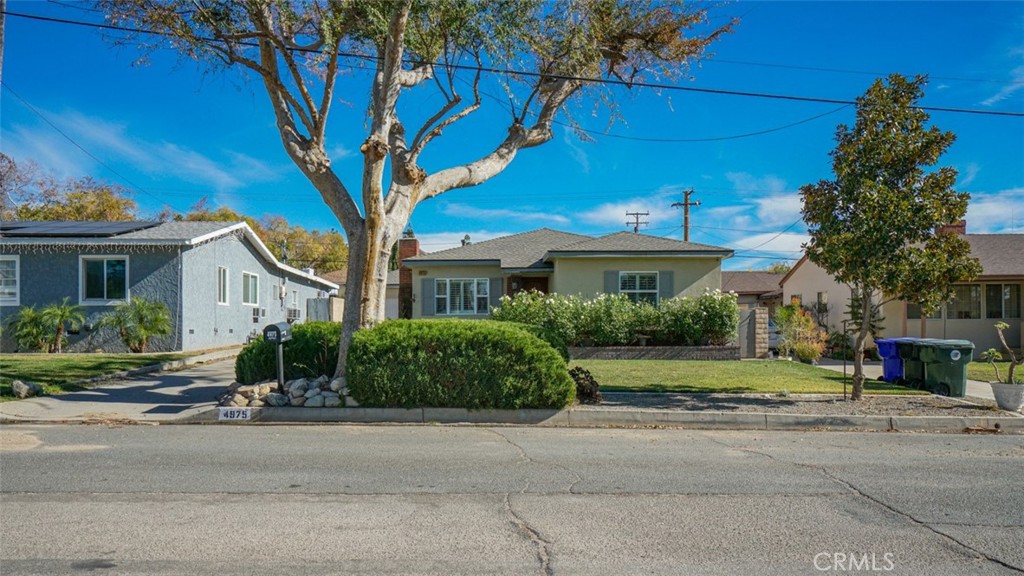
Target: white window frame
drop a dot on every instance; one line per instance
(82, 259)
(223, 285)
(657, 285)
(477, 295)
(16, 299)
(256, 293)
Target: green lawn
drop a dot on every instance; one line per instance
(56, 372)
(733, 377)
(982, 371)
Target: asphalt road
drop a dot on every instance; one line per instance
(472, 500)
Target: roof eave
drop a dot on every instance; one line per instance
(425, 263)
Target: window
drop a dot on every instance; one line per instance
(9, 280)
(639, 286)
(1002, 301)
(966, 303)
(914, 312)
(104, 279)
(222, 285)
(461, 296)
(250, 289)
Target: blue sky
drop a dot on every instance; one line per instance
(175, 135)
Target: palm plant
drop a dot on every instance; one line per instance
(30, 330)
(137, 321)
(60, 317)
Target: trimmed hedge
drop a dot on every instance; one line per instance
(312, 351)
(477, 364)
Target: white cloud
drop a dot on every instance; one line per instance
(466, 211)
(658, 206)
(115, 145)
(749, 184)
(787, 244)
(968, 174)
(1015, 84)
(339, 152)
(998, 212)
(437, 241)
(576, 151)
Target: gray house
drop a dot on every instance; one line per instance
(219, 281)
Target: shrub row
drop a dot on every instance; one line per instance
(312, 351)
(452, 363)
(710, 319)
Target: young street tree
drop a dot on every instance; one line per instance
(877, 226)
(298, 48)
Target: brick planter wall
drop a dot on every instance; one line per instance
(655, 353)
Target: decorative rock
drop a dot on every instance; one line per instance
(332, 401)
(315, 402)
(326, 394)
(312, 392)
(275, 399)
(272, 386)
(22, 390)
(349, 401)
(321, 381)
(263, 389)
(256, 403)
(343, 391)
(298, 387)
(298, 401)
(337, 384)
(248, 391)
(239, 400)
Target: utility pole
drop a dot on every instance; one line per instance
(636, 220)
(686, 212)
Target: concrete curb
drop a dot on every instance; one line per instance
(599, 418)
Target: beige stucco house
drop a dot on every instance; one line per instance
(466, 281)
(996, 295)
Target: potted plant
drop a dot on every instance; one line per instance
(1009, 393)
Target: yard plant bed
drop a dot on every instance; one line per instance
(818, 405)
(735, 377)
(57, 372)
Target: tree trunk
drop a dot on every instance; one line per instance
(858, 345)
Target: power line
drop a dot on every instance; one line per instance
(846, 71)
(531, 74)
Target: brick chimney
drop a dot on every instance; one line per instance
(957, 228)
(408, 246)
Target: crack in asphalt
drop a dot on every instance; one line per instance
(540, 544)
(857, 491)
(522, 454)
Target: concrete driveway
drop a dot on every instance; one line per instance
(160, 397)
(874, 370)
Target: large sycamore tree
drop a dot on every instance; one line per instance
(298, 48)
(878, 226)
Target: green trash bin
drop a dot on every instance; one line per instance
(909, 350)
(945, 366)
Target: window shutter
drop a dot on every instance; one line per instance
(427, 295)
(495, 291)
(611, 282)
(666, 289)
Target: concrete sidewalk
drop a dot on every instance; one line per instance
(162, 397)
(873, 370)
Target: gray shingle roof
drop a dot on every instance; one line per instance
(177, 231)
(999, 254)
(173, 232)
(518, 251)
(755, 282)
(627, 242)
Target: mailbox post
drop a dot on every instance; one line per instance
(278, 334)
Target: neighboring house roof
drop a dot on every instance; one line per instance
(529, 251)
(123, 234)
(339, 277)
(754, 282)
(1000, 255)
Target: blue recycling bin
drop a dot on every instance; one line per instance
(892, 363)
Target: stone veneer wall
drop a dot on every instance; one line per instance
(760, 332)
(657, 352)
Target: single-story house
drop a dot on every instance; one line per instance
(390, 297)
(398, 296)
(218, 280)
(467, 280)
(754, 289)
(992, 297)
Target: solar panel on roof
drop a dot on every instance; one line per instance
(43, 229)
